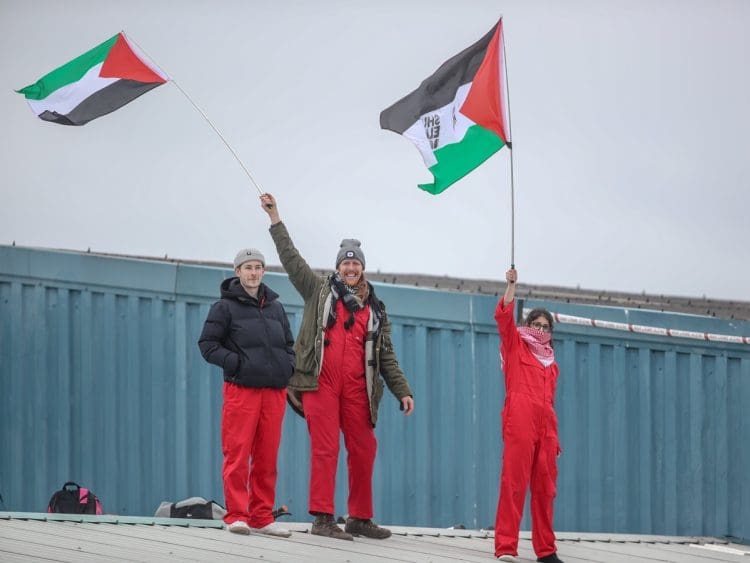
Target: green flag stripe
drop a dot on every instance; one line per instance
(68, 73)
(458, 159)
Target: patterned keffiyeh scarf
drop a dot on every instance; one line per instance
(539, 343)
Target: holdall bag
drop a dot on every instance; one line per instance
(193, 507)
(198, 507)
(74, 499)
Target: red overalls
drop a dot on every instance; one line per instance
(250, 429)
(530, 442)
(341, 404)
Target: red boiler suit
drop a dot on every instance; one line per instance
(341, 404)
(530, 442)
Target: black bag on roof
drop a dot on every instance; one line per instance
(74, 499)
(198, 507)
(193, 507)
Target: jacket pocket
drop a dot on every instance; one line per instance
(377, 391)
(232, 365)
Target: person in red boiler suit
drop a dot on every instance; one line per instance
(530, 442)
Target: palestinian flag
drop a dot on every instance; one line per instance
(97, 83)
(457, 116)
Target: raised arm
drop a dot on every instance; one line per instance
(511, 277)
(268, 204)
(300, 274)
(506, 324)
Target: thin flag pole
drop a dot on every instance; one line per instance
(510, 149)
(257, 187)
(199, 110)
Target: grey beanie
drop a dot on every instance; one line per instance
(247, 254)
(351, 249)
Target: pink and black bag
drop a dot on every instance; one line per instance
(74, 499)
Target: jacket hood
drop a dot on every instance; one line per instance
(232, 289)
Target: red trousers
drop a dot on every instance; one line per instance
(250, 434)
(335, 407)
(530, 448)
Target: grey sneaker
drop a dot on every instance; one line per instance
(272, 529)
(509, 558)
(367, 528)
(239, 527)
(324, 525)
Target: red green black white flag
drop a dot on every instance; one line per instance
(457, 116)
(96, 83)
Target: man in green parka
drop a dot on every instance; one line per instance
(344, 354)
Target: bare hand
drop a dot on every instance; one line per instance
(407, 405)
(511, 276)
(268, 204)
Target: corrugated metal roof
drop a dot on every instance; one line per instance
(42, 537)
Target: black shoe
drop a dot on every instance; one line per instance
(367, 528)
(551, 558)
(324, 525)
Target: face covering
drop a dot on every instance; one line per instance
(539, 343)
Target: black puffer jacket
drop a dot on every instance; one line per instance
(249, 338)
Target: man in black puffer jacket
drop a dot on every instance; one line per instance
(247, 334)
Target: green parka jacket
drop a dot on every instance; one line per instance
(316, 293)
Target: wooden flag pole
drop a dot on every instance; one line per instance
(199, 110)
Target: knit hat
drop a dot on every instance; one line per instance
(247, 254)
(350, 250)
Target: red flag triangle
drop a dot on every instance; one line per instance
(122, 62)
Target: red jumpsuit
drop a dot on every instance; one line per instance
(341, 404)
(530, 442)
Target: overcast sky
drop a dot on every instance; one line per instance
(630, 123)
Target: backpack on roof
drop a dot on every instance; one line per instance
(74, 499)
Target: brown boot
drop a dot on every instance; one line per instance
(367, 528)
(324, 525)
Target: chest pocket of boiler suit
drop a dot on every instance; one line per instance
(531, 377)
